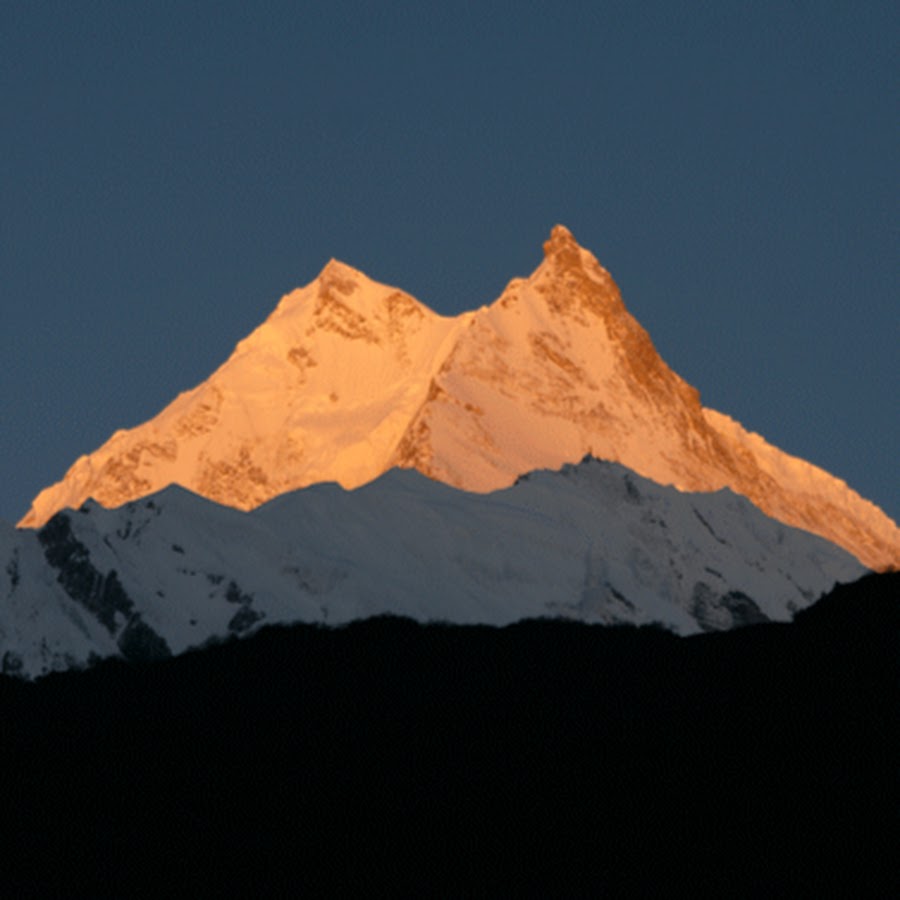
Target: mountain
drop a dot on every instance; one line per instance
(348, 378)
(592, 542)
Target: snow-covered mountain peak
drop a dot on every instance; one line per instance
(348, 378)
(572, 281)
(335, 270)
(562, 246)
(563, 253)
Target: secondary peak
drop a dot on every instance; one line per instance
(334, 268)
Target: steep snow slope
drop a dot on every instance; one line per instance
(594, 542)
(42, 628)
(348, 378)
(321, 391)
(557, 367)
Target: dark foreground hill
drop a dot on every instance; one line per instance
(549, 757)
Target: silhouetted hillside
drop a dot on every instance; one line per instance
(547, 755)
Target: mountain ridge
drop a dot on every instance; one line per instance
(347, 378)
(593, 542)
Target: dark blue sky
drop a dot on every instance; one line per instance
(169, 170)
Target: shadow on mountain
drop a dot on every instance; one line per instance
(549, 756)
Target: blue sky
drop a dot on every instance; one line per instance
(169, 170)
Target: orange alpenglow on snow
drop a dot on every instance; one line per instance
(348, 378)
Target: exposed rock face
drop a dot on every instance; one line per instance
(348, 378)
